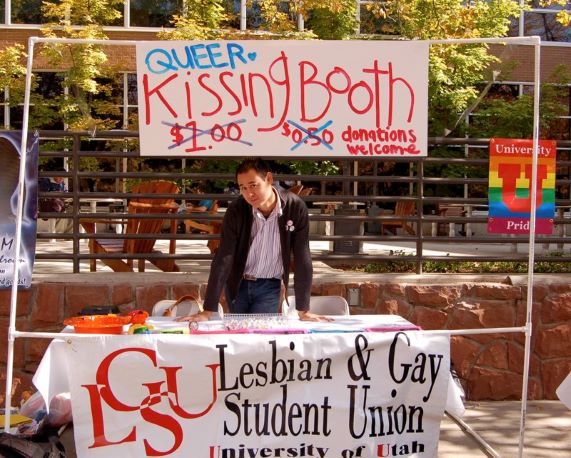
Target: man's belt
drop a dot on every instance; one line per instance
(252, 278)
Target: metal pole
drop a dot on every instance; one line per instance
(531, 260)
(18, 240)
(243, 15)
(8, 13)
(521, 32)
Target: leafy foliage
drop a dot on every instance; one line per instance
(513, 116)
(455, 70)
(214, 166)
(12, 68)
(84, 63)
(201, 20)
(464, 267)
(324, 168)
(216, 19)
(333, 24)
(563, 16)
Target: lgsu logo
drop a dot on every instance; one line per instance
(101, 394)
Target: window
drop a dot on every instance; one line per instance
(371, 23)
(26, 11)
(3, 108)
(131, 89)
(546, 26)
(130, 121)
(47, 114)
(147, 13)
(44, 115)
(543, 23)
(108, 104)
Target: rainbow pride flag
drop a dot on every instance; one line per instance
(510, 186)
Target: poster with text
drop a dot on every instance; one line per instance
(10, 154)
(510, 186)
(221, 396)
(283, 98)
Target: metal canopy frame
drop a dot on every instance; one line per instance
(13, 333)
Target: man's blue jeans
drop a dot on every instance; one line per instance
(259, 296)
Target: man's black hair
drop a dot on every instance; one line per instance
(253, 163)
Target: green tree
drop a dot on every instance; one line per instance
(83, 64)
(333, 22)
(455, 70)
(215, 19)
(507, 116)
(13, 71)
(200, 20)
(83, 67)
(563, 16)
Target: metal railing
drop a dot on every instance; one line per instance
(433, 233)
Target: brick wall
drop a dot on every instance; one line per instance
(123, 57)
(489, 365)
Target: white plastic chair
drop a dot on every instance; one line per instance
(173, 308)
(322, 305)
(186, 305)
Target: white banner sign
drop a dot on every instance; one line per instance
(283, 98)
(321, 395)
(10, 159)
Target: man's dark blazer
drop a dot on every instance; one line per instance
(229, 262)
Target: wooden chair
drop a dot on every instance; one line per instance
(296, 189)
(449, 228)
(151, 226)
(207, 226)
(402, 208)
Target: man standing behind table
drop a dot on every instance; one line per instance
(261, 231)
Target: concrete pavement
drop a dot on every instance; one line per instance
(57, 266)
(547, 432)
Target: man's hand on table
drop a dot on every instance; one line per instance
(303, 316)
(200, 316)
(306, 315)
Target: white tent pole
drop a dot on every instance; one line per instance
(85, 41)
(432, 332)
(505, 40)
(531, 260)
(18, 240)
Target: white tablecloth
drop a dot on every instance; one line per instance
(564, 391)
(52, 376)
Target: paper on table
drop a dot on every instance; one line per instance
(15, 419)
(394, 328)
(564, 391)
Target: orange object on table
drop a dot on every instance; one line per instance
(138, 316)
(98, 324)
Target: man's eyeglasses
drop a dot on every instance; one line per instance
(249, 187)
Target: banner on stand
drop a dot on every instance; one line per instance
(349, 394)
(510, 186)
(283, 98)
(10, 154)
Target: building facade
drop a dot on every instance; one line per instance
(142, 20)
